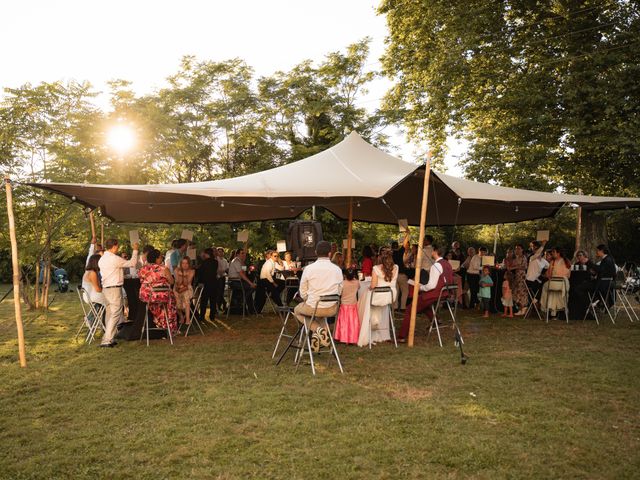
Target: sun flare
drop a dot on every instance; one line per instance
(121, 138)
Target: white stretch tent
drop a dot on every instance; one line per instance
(382, 188)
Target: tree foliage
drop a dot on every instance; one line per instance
(545, 91)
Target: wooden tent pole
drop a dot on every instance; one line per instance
(16, 273)
(416, 280)
(349, 234)
(102, 233)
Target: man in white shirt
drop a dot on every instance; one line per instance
(440, 274)
(112, 275)
(267, 285)
(537, 264)
(223, 268)
(318, 279)
(473, 275)
(167, 256)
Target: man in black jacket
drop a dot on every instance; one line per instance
(208, 277)
(605, 272)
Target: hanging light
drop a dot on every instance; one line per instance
(517, 209)
(222, 204)
(358, 204)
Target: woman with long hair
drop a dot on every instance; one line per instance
(376, 312)
(559, 267)
(156, 274)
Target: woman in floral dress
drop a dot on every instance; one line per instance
(155, 274)
(517, 266)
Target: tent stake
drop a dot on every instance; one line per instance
(423, 221)
(349, 233)
(16, 273)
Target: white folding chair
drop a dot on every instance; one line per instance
(146, 328)
(90, 311)
(622, 301)
(195, 308)
(303, 337)
(247, 301)
(386, 293)
(447, 297)
(557, 286)
(284, 313)
(599, 299)
(533, 304)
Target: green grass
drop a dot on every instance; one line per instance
(534, 401)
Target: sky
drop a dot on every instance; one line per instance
(143, 41)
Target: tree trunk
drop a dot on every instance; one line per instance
(592, 231)
(36, 288)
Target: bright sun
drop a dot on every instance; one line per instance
(121, 138)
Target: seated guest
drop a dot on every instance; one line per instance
(537, 263)
(208, 277)
(605, 271)
(366, 266)
(318, 279)
(183, 288)
(91, 283)
(267, 284)
(337, 259)
(155, 274)
(440, 275)
(240, 282)
(289, 264)
(334, 249)
(348, 323)
(559, 267)
(384, 274)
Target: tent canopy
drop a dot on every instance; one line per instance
(383, 188)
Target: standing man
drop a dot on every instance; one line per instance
(223, 268)
(179, 253)
(403, 278)
(111, 271)
(318, 279)
(208, 277)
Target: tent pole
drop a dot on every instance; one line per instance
(495, 241)
(16, 273)
(423, 221)
(349, 233)
(579, 230)
(102, 233)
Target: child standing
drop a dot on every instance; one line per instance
(348, 324)
(486, 282)
(507, 299)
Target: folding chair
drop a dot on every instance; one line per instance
(598, 299)
(284, 313)
(195, 307)
(558, 286)
(390, 311)
(622, 301)
(448, 297)
(238, 286)
(146, 328)
(533, 304)
(290, 283)
(303, 337)
(88, 311)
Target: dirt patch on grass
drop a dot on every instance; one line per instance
(411, 394)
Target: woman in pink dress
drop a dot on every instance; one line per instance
(348, 323)
(155, 274)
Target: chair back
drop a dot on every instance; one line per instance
(381, 297)
(335, 298)
(83, 296)
(557, 284)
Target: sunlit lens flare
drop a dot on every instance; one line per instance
(121, 138)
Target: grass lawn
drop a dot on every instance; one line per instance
(534, 401)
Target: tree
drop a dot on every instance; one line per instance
(543, 90)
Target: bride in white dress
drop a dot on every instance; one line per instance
(385, 274)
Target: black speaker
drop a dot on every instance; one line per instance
(302, 238)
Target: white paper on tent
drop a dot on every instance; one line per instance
(455, 264)
(191, 253)
(488, 260)
(403, 223)
(243, 236)
(542, 235)
(187, 235)
(134, 236)
(345, 243)
(282, 246)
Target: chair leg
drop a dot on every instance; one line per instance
(166, 318)
(334, 351)
(282, 330)
(392, 325)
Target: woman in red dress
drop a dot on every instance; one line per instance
(155, 274)
(367, 261)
